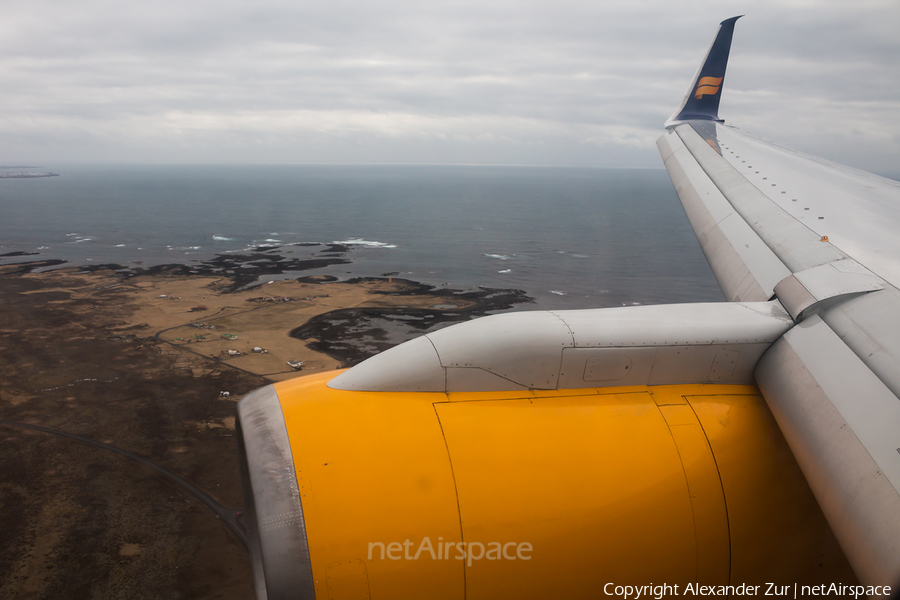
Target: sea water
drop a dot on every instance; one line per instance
(569, 237)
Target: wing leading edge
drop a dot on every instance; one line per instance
(819, 238)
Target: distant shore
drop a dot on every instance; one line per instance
(26, 175)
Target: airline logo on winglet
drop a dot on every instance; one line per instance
(707, 86)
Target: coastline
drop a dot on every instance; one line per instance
(118, 355)
(26, 175)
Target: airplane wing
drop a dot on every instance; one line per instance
(555, 454)
(822, 240)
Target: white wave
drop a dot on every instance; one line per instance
(499, 256)
(221, 238)
(271, 241)
(120, 245)
(366, 243)
(71, 234)
(505, 271)
(557, 292)
(579, 256)
(43, 247)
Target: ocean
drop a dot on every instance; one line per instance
(569, 237)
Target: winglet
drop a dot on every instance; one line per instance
(702, 99)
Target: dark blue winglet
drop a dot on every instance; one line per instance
(701, 103)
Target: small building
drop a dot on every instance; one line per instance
(229, 336)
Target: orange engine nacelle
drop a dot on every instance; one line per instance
(536, 494)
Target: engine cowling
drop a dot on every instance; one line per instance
(400, 479)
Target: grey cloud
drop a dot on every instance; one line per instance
(584, 83)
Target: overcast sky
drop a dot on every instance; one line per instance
(567, 82)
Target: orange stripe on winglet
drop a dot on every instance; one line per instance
(707, 86)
